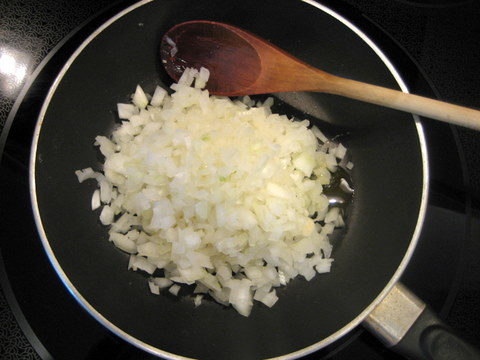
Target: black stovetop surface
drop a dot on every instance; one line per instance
(436, 46)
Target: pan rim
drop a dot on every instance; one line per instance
(159, 352)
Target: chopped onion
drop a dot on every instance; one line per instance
(219, 193)
(107, 215)
(162, 282)
(96, 200)
(85, 174)
(141, 263)
(174, 289)
(198, 300)
(125, 111)
(140, 99)
(158, 96)
(154, 288)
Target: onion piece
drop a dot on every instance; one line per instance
(96, 201)
(139, 98)
(154, 288)
(198, 300)
(174, 289)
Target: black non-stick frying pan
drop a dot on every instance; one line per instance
(390, 179)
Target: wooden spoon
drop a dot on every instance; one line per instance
(241, 63)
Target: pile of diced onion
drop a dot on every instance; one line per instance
(219, 194)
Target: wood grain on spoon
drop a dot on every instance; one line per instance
(241, 63)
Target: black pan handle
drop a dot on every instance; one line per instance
(405, 324)
(431, 338)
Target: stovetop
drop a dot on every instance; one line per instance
(436, 46)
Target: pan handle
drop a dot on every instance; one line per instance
(405, 324)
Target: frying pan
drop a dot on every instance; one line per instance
(383, 224)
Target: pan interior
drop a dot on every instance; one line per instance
(388, 177)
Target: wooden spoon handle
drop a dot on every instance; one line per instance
(450, 113)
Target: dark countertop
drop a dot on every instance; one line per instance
(442, 36)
